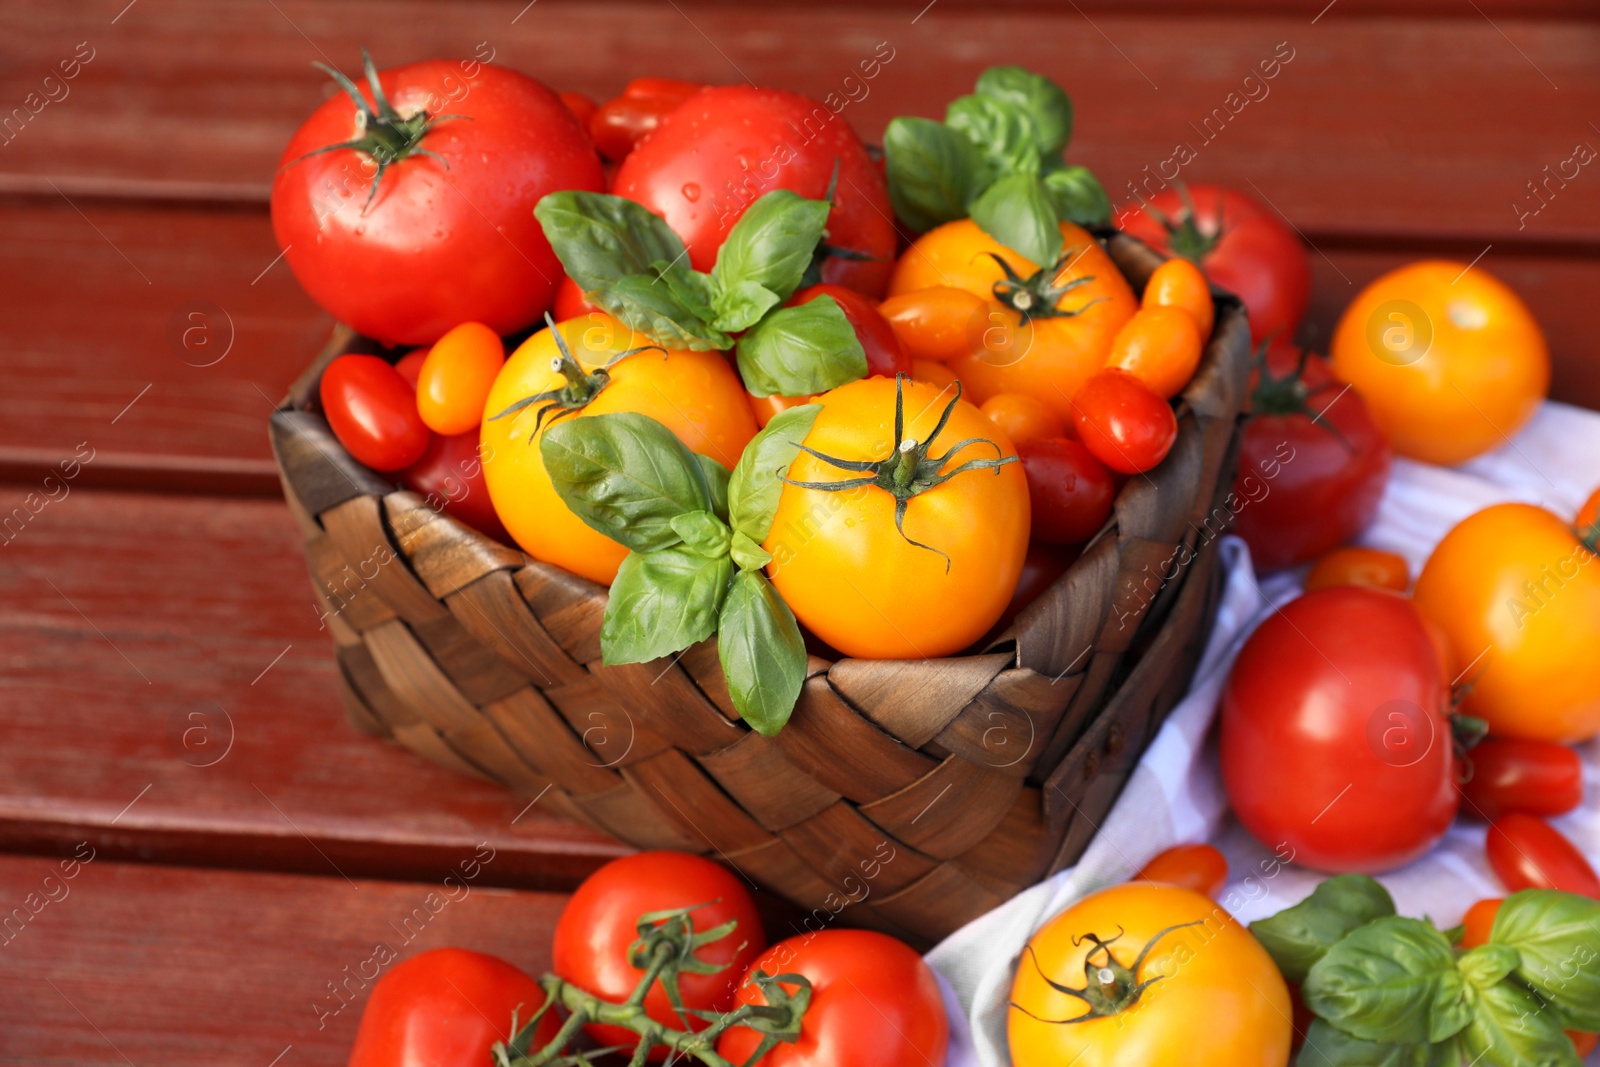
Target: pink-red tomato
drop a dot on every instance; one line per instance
(623, 121)
(1128, 427)
(449, 476)
(410, 365)
(373, 412)
(1526, 852)
(1071, 492)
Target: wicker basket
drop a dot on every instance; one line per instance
(908, 796)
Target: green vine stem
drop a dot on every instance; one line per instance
(1290, 395)
(1037, 295)
(581, 387)
(1109, 987)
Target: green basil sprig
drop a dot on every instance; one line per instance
(997, 158)
(631, 264)
(695, 531)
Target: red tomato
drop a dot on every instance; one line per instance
(1040, 568)
(456, 378)
(600, 922)
(1478, 923)
(373, 412)
(1127, 427)
(1335, 740)
(623, 121)
(1071, 491)
(410, 365)
(581, 106)
(727, 146)
(1313, 465)
(450, 478)
(446, 1008)
(1516, 774)
(1197, 867)
(443, 240)
(1242, 245)
(1528, 853)
(874, 1003)
(884, 355)
(570, 301)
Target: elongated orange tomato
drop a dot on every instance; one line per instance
(1179, 283)
(938, 323)
(1355, 565)
(1024, 418)
(1160, 346)
(696, 395)
(456, 376)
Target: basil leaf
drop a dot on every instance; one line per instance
(716, 476)
(625, 475)
(763, 655)
(1002, 132)
(601, 239)
(661, 603)
(1485, 965)
(1078, 196)
(754, 488)
(771, 244)
(1393, 980)
(648, 304)
(1557, 936)
(1511, 1028)
(1298, 936)
(691, 288)
(1328, 1046)
(797, 351)
(933, 171)
(741, 307)
(1042, 99)
(703, 532)
(748, 554)
(1017, 212)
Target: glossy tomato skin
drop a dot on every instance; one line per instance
(1024, 418)
(1160, 346)
(1528, 853)
(623, 121)
(1198, 867)
(438, 245)
(1069, 491)
(1513, 579)
(1515, 774)
(449, 476)
(885, 356)
(874, 1003)
(446, 1008)
(570, 302)
(938, 323)
(1478, 923)
(373, 412)
(1180, 284)
(601, 919)
(1309, 486)
(1220, 1001)
(455, 379)
(1257, 257)
(1335, 740)
(1354, 565)
(851, 577)
(696, 395)
(727, 146)
(1125, 425)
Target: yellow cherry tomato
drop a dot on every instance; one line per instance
(1518, 596)
(935, 582)
(696, 395)
(1180, 284)
(456, 376)
(1217, 998)
(926, 370)
(1354, 565)
(1023, 418)
(1449, 359)
(938, 323)
(1160, 346)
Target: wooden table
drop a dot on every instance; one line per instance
(168, 704)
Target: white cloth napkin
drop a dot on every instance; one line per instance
(1175, 794)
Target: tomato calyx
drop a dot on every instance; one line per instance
(1109, 987)
(1290, 395)
(1036, 297)
(1184, 235)
(581, 388)
(908, 469)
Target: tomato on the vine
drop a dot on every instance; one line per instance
(1526, 852)
(1198, 867)
(455, 379)
(1123, 423)
(1517, 774)
(1354, 565)
(373, 412)
(450, 478)
(623, 121)
(1070, 492)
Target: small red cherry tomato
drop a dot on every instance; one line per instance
(623, 121)
(1516, 774)
(1478, 923)
(410, 365)
(884, 354)
(1071, 491)
(1128, 427)
(581, 106)
(449, 476)
(1529, 853)
(456, 378)
(1198, 867)
(373, 412)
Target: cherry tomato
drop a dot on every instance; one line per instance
(448, 236)
(373, 412)
(623, 121)
(1179, 283)
(1241, 245)
(1160, 346)
(727, 146)
(1478, 922)
(926, 370)
(1353, 565)
(1335, 740)
(449, 476)
(456, 378)
(1451, 360)
(409, 365)
(1070, 492)
(1127, 427)
(940, 323)
(581, 106)
(1528, 853)
(1583, 1043)
(1197, 867)
(884, 354)
(1023, 418)
(601, 920)
(1313, 465)
(571, 303)
(1040, 568)
(765, 407)
(1516, 774)
(446, 1007)
(874, 1003)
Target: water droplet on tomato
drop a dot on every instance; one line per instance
(691, 191)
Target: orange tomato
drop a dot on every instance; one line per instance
(926, 370)
(1179, 283)
(1448, 358)
(1354, 565)
(1478, 922)
(1160, 346)
(456, 377)
(938, 323)
(765, 407)
(1587, 521)
(696, 395)
(1023, 418)
(1044, 332)
(1197, 867)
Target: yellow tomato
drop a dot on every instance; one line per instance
(1449, 360)
(696, 395)
(1518, 596)
(1217, 998)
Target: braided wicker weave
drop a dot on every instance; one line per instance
(909, 796)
